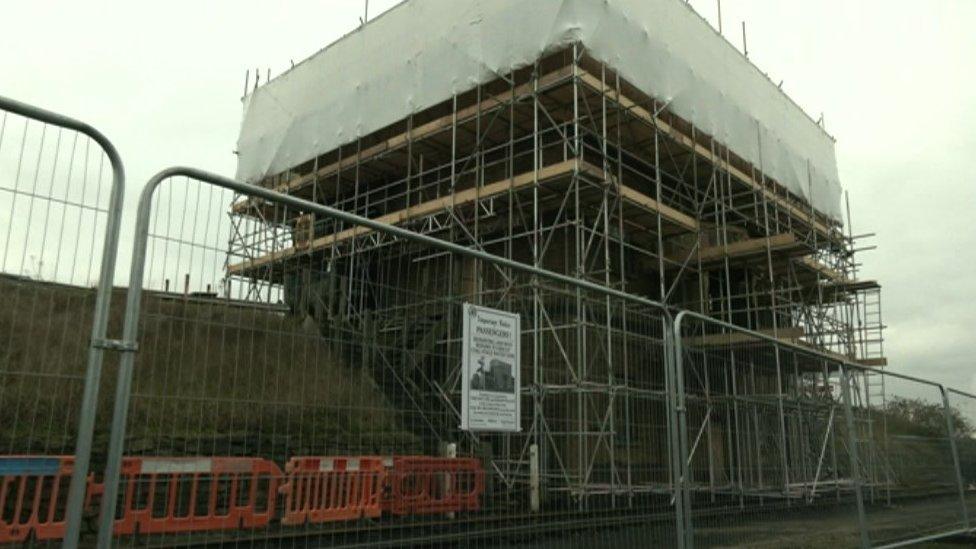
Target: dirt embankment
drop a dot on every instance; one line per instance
(211, 377)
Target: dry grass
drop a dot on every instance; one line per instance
(210, 378)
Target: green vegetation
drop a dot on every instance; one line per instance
(916, 416)
(918, 449)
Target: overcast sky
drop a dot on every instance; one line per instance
(894, 80)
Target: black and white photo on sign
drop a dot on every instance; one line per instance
(493, 375)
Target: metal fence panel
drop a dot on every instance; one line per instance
(768, 451)
(907, 461)
(60, 202)
(293, 397)
(962, 407)
(299, 381)
(316, 361)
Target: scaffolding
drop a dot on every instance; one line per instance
(565, 165)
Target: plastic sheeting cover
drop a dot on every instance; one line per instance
(422, 52)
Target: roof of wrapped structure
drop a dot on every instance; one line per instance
(422, 52)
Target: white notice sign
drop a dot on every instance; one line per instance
(490, 359)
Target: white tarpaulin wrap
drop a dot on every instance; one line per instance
(422, 52)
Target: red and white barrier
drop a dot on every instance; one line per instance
(327, 489)
(171, 495)
(419, 485)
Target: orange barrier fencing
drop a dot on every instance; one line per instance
(326, 489)
(419, 485)
(172, 495)
(33, 495)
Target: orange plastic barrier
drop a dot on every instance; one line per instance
(326, 489)
(420, 485)
(33, 495)
(170, 495)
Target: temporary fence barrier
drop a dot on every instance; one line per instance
(962, 415)
(423, 485)
(766, 426)
(178, 495)
(328, 489)
(61, 190)
(908, 464)
(33, 494)
(753, 425)
(342, 353)
(781, 431)
(636, 429)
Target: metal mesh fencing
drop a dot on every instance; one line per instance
(907, 460)
(290, 394)
(768, 440)
(289, 397)
(60, 199)
(53, 203)
(787, 443)
(962, 406)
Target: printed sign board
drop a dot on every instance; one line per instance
(490, 358)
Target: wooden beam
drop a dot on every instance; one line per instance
(687, 142)
(853, 285)
(413, 212)
(790, 334)
(643, 201)
(832, 355)
(830, 274)
(467, 196)
(420, 132)
(754, 246)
